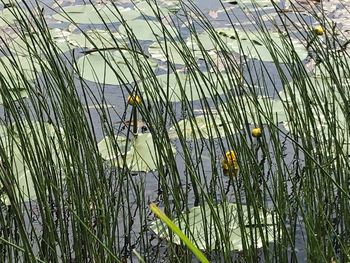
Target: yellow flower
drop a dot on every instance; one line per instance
(134, 100)
(256, 132)
(318, 30)
(229, 163)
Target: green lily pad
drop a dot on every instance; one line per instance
(96, 39)
(41, 137)
(9, 16)
(33, 44)
(262, 110)
(146, 30)
(152, 8)
(248, 43)
(204, 126)
(141, 155)
(112, 148)
(180, 86)
(333, 67)
(159, 50)
(95, 14)
(113, 67)
(202, 225)
(251, 3)
(17, 73)
(327, 112)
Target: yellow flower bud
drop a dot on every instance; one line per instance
(256, 132)
(319, 30)
(134, 100)
(229, 163)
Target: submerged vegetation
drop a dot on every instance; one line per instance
(163, 131)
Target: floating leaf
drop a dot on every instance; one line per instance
(113, 67)
(159, 51)
(33, 43)
(251, 3)
(146, 29)
(247, 43)
(17, 73)
(43, 139)
(95, 14)
(97, 39)
(203, 224)
(204, 126)
(333, 67)
(149, 8)
(112, 148)
(180, 86)
(9, 16)
(260, 110)
(140, 157)
(327, 113)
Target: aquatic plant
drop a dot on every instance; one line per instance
(82, 158)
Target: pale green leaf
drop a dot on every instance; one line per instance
(95, 14)
(179, 86)
(113, 67)
(146, 30)
(202, 226)
(204, 126)
(141, 155)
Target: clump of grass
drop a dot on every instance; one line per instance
(83, 209)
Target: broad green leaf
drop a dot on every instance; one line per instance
(35, 44)
(152, 8)
(141, 155)
(147, 29)
(16, 74)
(333, 67)
(43, 140)
(114, 67)
(181, 86)
(204, 126)
(18, 67)
(252, 3)
(169, 51)
(260, 110)
(112, 148)
(202, 226)
(96, 39)
(9, 16)
(95, 14)
(248, 43)
(327, 114)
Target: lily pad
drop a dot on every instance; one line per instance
(179, 86)
(204, 126)
(248, 43)
(95, 14)
(261, 110)
(333, 67)
(251, 3)
(146, 30)
(112, 148)
(327, 113)
(203, 224)
(113, 67)
(96, 39)
(17, 73)
(162, 49)
(34, 44)
(9, 16)
(152, 8)
(141, 155)
(41, 137)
